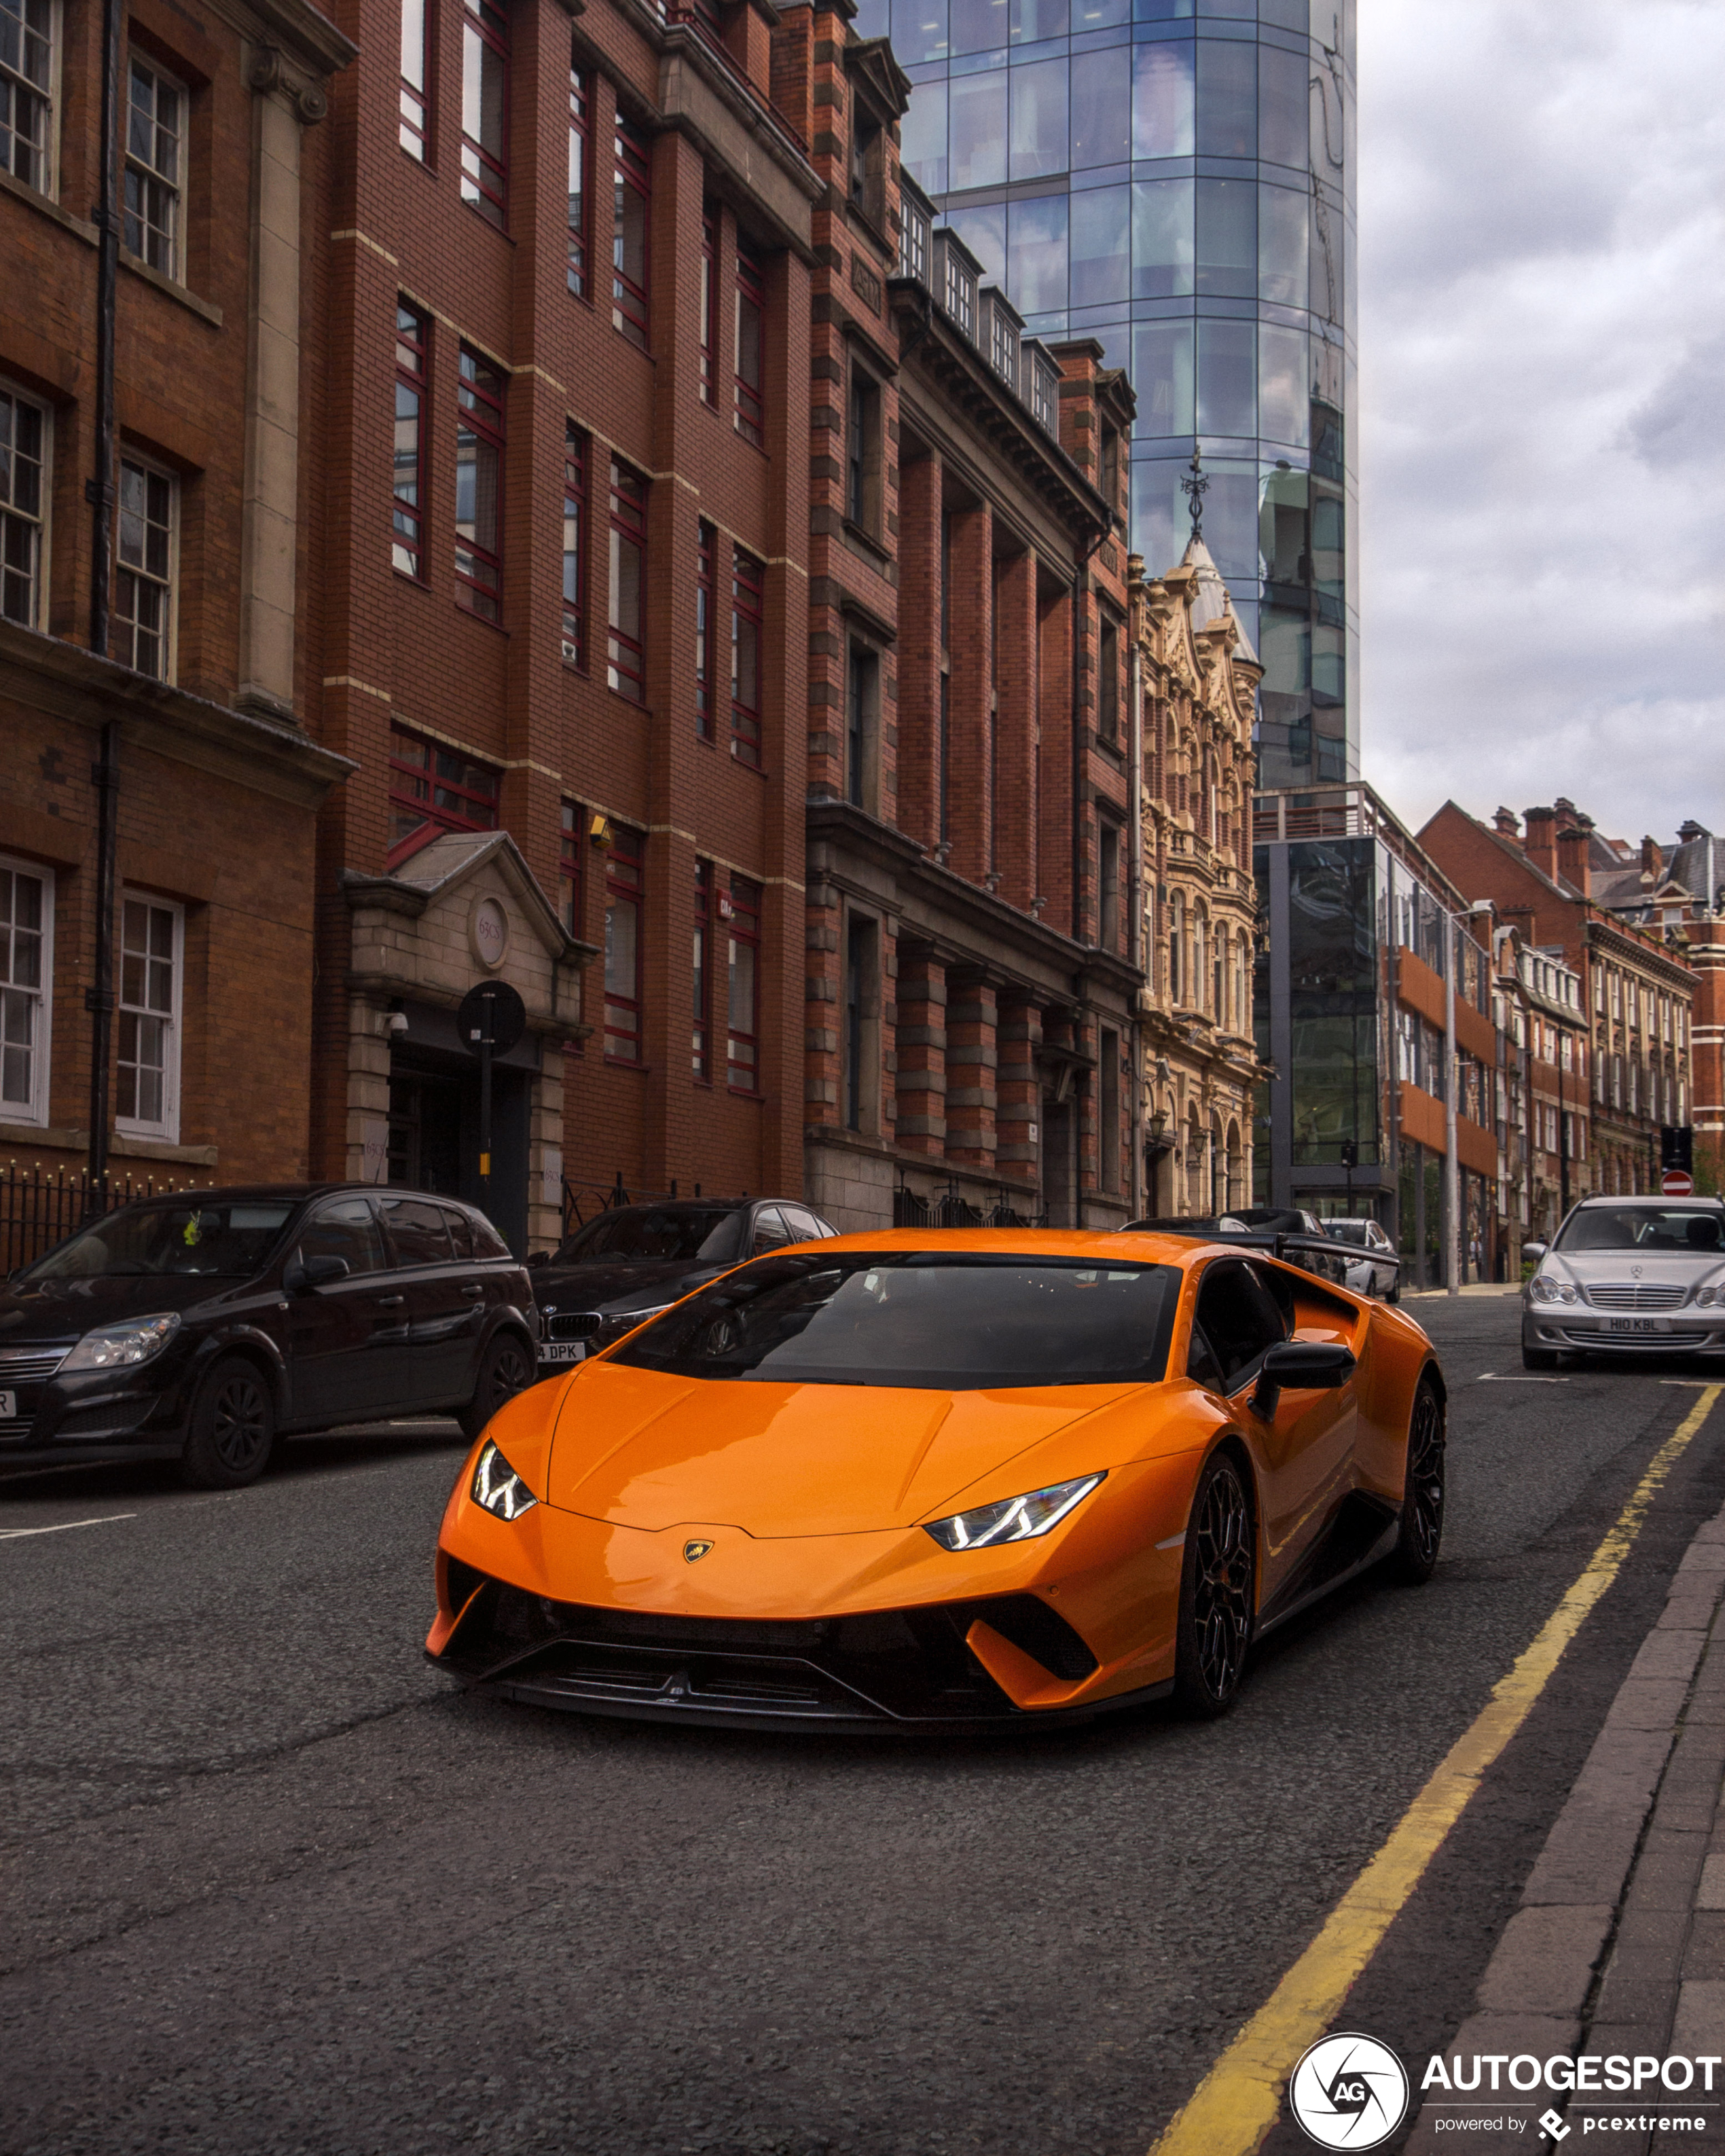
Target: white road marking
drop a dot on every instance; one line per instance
(16, 1534)
(1511, 1377)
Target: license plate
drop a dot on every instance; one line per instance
(1638, 1324)
(562, 1351)
(8, 1407)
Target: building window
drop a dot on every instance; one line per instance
(862, 458)
(154, 136)
(485, 100)
(867, 138)
(625, 887)
(705, 539)
(479, 484)
(1109, 846)
(23, 455)
(858, 967)
(751, 318)
(26, 88)
(748, 580)
(709, 288)
(629, 234)
(701, 1060)
(141, 630)
(861, 689)
(580, 210)
(742, 1043)
(625, 658)
(26, 973)
(415, 102)
(433, 789)
(960, 297)
(412, 332)
(913, 240)
(147, 1068)
(576, 447)
(569, 866)
(1109, 482)
(1108, 1109)
(1108, 681)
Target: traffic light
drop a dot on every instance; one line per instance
(1676, 1146)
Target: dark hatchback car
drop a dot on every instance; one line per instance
(617, 1270)
(1260, 1220)
(202, 1327)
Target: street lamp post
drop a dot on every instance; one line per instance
(1452, 1169)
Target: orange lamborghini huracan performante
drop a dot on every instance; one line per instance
(942, 1480)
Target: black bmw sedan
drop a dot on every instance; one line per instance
(202, 1327)
(632, 1261)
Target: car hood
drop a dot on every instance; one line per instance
(1626, 1268)
(600, 1286)
(55, 1309)
(639, 1449)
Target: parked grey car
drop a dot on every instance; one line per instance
(1635, 1276)
(1374, 1270)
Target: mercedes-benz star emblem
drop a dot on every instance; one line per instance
(694, 1552)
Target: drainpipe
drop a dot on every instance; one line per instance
(1135, 896)
(1452, 1178)
(99, 492)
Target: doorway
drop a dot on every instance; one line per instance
(434, 1134)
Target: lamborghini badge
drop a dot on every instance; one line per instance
(694, 1552)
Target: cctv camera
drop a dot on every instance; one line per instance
(396, 1023)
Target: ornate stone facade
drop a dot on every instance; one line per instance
(1197, 674)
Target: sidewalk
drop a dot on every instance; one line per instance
(1619, 1945)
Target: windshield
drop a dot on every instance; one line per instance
(930, 1320)
(229, 1238)
(1346, 1231)
(651, 1234)
(1685, 1227)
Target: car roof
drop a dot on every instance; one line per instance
(1648, 1197)
(1136, 1246)
(228, 1193)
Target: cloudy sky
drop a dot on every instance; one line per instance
(1542, 391)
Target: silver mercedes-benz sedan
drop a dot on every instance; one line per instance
(1635, 1275)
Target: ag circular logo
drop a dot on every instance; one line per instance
(1348, 2092)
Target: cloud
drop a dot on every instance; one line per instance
(1542, 374)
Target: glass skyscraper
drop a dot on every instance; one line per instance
(1175, 179)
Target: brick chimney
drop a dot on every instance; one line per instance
(1652, 861)
(1541, 839)
(1572, 862)
(1568, 818)
(1504, 822)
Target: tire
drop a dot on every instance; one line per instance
(231, 1431)
(505, 1368)
(1218, 1601)
(1539, 1359)
(1414, 1557)
(1392, 1293)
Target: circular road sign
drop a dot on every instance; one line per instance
(1677, 1182)
(493, 1008)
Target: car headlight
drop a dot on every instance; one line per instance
(1544, 1289)
(1016, 1519)
(1706, 1295)
(121, 1347)
(496, 1486)
(625, 1320)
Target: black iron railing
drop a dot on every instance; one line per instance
(40, 1207)
(950, 1210)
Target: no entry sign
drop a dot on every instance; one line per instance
(1677, 1182)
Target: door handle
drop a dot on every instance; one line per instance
(391, 1301)
(473, 1292)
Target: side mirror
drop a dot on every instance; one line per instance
(1535, 1250)
(306, 1273)
(539, 1257)
(1301, 1366)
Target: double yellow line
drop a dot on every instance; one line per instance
(1240, 2099)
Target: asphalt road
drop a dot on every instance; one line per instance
(272, 1885)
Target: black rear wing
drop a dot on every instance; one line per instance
(1277, 1241)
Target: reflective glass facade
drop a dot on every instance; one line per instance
(1176, 179)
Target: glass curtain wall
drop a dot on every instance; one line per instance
(1176, 179)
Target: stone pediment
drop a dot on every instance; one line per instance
(465, 908)
(872, 61)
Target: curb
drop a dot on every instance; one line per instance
(1617, 1946)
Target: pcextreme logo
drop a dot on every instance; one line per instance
(1349, 2092)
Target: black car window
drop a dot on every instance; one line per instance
(1201, 1364)
(487, 1243)
(771, 1233)
(645, 1234)
(929, 1320)
(460, 1231)
(801, 1225)
(228, 1237)
(417, 1231)
(347, 1229)
(1239, 1320)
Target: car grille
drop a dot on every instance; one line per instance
(1635, 1295)
(569, 1324)
(23, 1366)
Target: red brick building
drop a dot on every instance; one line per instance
(559, 614)
(201, 690)
(970, 975)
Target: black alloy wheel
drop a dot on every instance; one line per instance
(233, 1428)
(506, 1368)
(1218, 1575)
(1422, 1526)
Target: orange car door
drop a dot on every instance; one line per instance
(1304, 1447)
